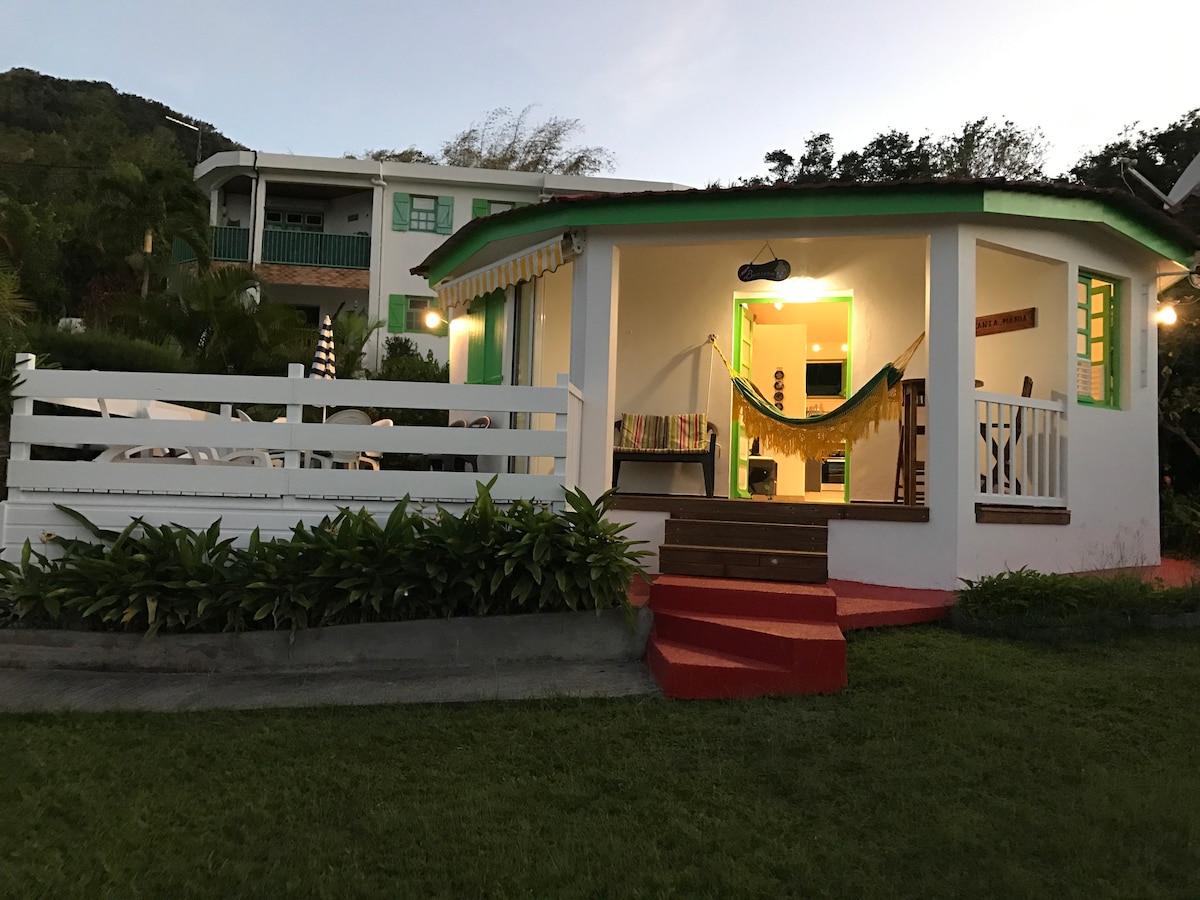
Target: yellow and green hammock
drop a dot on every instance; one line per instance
(815, 437)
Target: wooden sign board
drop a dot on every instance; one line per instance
(1013, 320)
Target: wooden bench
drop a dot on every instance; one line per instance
(688, 438)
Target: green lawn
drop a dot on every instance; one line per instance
(953, 766)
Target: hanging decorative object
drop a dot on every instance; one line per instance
(775, 269)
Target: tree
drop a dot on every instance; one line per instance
(147, 208)
(1161, 156)
(504, 140)
(984, 150)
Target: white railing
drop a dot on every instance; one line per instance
(1021, 450)
(150, 410)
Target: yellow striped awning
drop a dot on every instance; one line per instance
(524, 266)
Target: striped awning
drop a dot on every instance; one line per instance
(524, 266)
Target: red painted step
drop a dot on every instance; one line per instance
(691, 673)
(800, 602)
(782, 642)
(875, 606)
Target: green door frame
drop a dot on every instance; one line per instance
(847, 375)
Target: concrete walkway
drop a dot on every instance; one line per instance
(23, 690)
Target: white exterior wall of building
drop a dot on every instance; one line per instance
(394, 253)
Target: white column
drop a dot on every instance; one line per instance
(594, 358)
(950, 391)
(376, 305)
(214, 206)
(259, 200)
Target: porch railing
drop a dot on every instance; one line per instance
(310, 248)
(228, 244)
(171, 410)
(1020, 450)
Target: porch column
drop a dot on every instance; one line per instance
(258, 220)
(376, 305)
(594, 358)
(952, 433)
(214, 206)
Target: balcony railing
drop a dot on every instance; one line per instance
(229, 244)
(1021, 451)
(309, 248)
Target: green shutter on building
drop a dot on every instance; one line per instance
(397, 313)
(401, 211)
(485, 339)
(474, 326)
(480, 207)
(445, 215)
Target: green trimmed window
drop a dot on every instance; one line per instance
(291, 220)
(481, 206)
(406, 315)
(1098, 340)
(485, 339)
(413, 212)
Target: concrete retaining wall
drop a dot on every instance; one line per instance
(438, 643)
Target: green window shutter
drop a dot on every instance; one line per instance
(397, 313)
(480, 207)
(475, 326)
(445, 215)
(401, 211)
(493, 351)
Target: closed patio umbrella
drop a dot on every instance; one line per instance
(323, 364)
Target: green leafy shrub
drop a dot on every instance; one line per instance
(342, 570)
(1027, 603)
(1179, 521)
(104, 350)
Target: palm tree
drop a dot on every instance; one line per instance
(150, 207)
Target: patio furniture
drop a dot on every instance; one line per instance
(667, 439)
(350, 459)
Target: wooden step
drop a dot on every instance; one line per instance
(778, 513)
(748, 563)
(799, 646)
(692, 673)
(753, 535)
(798, 602)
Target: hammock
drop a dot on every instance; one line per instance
(815, 437)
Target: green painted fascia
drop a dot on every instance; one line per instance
(1082, 209)
(692, 207)
(661, 209)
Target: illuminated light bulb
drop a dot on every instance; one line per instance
(816, 348)
(1166, 315)
(779, 304)
(845, 347)
(432, 319)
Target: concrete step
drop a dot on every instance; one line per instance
(799, 646)
(797, 602)
(796, 566)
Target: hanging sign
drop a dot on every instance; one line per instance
(1013, 320)
(773, 270)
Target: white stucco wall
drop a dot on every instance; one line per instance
(339, 210)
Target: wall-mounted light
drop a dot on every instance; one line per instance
(1166, 314)
(845, 347)
(816, 348)
(779, 304)
(433, 319)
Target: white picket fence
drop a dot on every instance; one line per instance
(153, 410)
(1021, 451)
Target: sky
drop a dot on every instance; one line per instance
(686, 91)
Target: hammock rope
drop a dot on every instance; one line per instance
(815, 437)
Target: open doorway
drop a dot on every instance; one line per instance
(798, 354)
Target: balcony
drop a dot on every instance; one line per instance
(309, 248)
(228, 244)
(289, 248)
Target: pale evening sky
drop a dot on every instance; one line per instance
(680, 90)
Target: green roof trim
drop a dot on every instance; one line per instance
(1123, 214)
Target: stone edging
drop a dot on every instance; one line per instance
(433, 643)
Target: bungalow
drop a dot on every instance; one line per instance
(1027, 427)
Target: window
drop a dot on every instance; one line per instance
(406, 315)
(288, 220)
(416, 213)
(485, 345)
(1097, 340)
(483, 207)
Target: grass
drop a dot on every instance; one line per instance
(954, 766)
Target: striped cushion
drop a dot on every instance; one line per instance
(664, 434)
